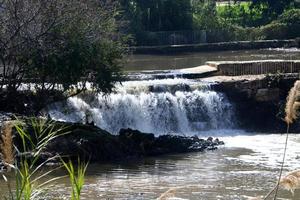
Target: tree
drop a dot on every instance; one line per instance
(272, 8)
(205, 14)
(159, 15)
(58, 46)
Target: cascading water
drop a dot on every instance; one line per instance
(159, 106)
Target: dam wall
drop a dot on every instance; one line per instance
(238, 68)
(220, 46)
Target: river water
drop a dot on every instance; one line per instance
(247, 166)
(137, 62)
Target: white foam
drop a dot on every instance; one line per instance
(171, 110)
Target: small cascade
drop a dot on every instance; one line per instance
(178, 106)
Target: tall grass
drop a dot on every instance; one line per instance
(292, 180)
(76, 177)
(27, 170)
(7, 153)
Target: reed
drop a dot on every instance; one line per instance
(168, 194)
(6, 145)
(291, 181)
(293, 104)
(28, 176)
(76, 177)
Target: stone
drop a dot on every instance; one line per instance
(209, 139)
(97, 145)
(267, 94)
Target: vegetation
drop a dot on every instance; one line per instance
(251, 20)
(291, 180)
(58, 46)
(27, 165)
(156, 16)
(241, 14)
(76, 177)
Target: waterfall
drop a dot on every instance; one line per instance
(159, 106)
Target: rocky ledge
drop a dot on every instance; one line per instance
(97, 145)
(259, 100)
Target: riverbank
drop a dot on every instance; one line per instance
(221, 46)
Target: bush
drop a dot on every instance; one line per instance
(274, 30)
(291, 18)
(241, 14)
(287, 26)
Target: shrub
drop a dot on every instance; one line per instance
(241, 14)
(274, 30)
(291, 18)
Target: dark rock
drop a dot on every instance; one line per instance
(209, 139)
(212, 148)
(259, 102)
(94, 144)
(218, 142)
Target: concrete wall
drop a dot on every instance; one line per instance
(221, 46)
(256, 67)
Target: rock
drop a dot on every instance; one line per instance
(218, 142)
(94, 144)
(212, 148)
(267, 94)
(258, 100)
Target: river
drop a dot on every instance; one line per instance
(247, 166)
(137, 62)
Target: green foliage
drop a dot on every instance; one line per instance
(58, 46)
(273, 8)
(244, 21)
(242, 14)
(274, 30)
(28, 172)
(250, 20)
(157, 15)
(291, 19)
(78, 60)
(76, 177)
(205, 15)
(286, 26)
(42, 132)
